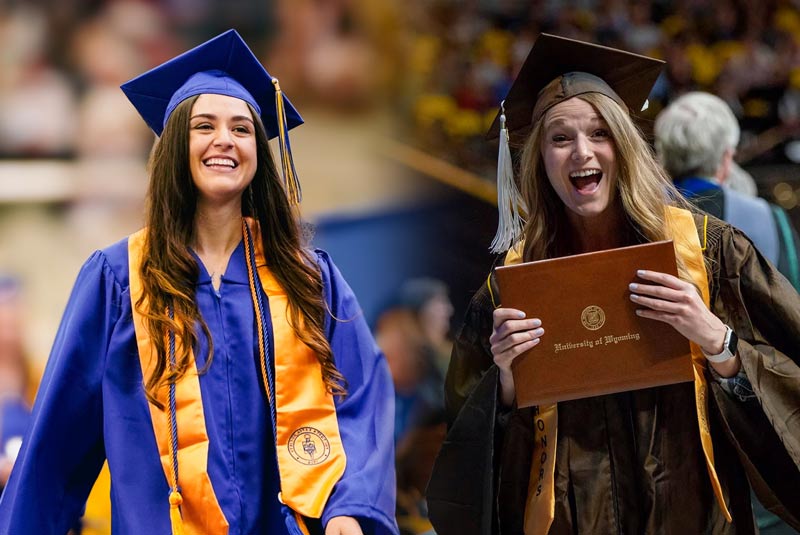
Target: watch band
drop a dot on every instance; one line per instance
(729, 346)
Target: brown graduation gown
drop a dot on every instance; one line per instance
(632, 462)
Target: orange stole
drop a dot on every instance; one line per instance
(311, 457)
(540, 506)
(201, 512)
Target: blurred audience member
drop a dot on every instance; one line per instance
(429, 304)
(37, 102)
(341, 53)
(415, 337)
(15, 383)
(429, 301)
(400, 339)
(106, 51)
(696, 138)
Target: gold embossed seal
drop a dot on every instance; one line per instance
(593, 317)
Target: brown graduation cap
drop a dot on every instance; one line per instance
(555, 70)
(558, 68)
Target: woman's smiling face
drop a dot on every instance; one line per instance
(580, 157)
(222, 147)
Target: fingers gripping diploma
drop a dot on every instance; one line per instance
(678, 303)
(512, 335)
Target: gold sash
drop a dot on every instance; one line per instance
(311, 458)
(540, 506)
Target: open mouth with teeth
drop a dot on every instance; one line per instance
(586, 181)
(225, 163)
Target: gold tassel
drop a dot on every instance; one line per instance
(509, 225)
(175, 518)
(290, 180)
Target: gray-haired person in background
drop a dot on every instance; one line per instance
(696, 138)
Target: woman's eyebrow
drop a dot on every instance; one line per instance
(212, 116)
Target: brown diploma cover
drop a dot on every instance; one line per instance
(594, 343)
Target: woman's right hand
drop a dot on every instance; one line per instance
(512, 335)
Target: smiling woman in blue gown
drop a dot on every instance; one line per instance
(223, 369)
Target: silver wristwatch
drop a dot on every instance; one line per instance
(728, 347)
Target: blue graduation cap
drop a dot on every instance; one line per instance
(224, 65)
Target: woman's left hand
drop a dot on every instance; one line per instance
(343, 525)
(677, 303)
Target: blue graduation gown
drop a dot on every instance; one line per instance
(92, 407)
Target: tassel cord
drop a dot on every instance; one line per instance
(263, 333)
(175, 497)
(291, 182)
(510, 223)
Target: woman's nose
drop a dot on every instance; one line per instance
(581, 149)
(222, 138)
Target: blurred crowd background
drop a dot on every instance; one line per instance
(397, 176)
(465, 55)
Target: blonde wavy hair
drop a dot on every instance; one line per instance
(642, 187)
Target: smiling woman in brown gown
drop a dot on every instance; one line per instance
(629, 462)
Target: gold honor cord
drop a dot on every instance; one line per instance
(266, 376)
(540, 506)
(291, 182)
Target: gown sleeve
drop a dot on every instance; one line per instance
(460, 493)
(471, 355)
(764, 311)
(63, 451)
(366, 414)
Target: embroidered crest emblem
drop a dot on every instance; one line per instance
(593, 317)
(309, 446)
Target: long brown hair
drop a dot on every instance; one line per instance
(169, 271)
(643, 187)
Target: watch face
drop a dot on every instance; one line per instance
(733, 342)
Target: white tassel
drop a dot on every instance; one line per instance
(509, 225)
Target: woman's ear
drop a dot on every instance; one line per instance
(724, 168)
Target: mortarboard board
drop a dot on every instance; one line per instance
(555, 70)
(224, 65)
(558, 68)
